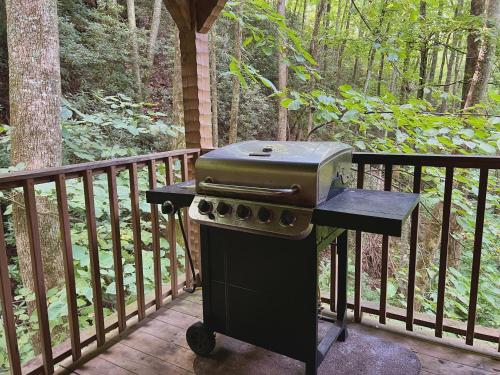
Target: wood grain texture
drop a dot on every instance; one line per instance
(207, 12)
(196, 88)
(155, 232)
(172, 234)
(8, 317)
(114, 215)
(443, 253)
(180, 12)
(158, 346)
(136, 229)
(385, 253)
(476, 256)
(417, 180)
(95, 274)
(358, 257)
(69, 272)
(37, 270)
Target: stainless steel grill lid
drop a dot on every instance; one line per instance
(293, 173)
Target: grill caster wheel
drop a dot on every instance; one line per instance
(200, 339)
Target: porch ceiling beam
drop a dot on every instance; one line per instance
(207, 12)
(180, 12)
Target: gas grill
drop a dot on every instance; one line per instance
(266, 210)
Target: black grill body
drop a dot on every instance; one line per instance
(263, 289)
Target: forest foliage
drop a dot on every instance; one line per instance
(383, 76)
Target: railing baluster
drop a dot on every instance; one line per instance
(476, 256)
(333, 276)
(187, 224)
(95, 273)
(443, 255)
(114, 214)
(172, 236)
(358, 261)
(385, 254)
(69, 272)
(7, 307)
(136, 228)
(37, 271)
(417, 179)
(155, 231)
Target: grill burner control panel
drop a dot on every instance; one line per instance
(251, 216)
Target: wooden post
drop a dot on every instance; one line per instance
(194, 19)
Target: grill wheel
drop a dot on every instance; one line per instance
(200, 339)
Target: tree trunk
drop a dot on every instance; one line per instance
(473, 43)
(313, 49)
(371, 58)
(479, 83)
(326, 24)
(380, 74)
(405, 84)
(373, 51)
(4, 72)
(282, 79)
(135, 46)
(435, 54)
(455, 42)
(177, 95)
(457, 74)
(424, 50)
(213, 86)
(235, 101)
(304, 16)
(443, 61)
(155, 27)
(35, 100)
(340, 52)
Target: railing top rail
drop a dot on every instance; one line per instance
(430, 160)
(16, 179)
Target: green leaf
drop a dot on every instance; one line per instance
(350, 115)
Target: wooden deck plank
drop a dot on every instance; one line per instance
(441, 351)
(439, 366)
(139, 362)
(158, 346)
(165, 331)
(187, 307)
(175, 318)
(99, 366)
(161, 349)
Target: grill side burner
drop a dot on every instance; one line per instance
(266, 210)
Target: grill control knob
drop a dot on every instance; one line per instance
(243, 212)
(205, 207)
(223, 209)
(287, 218)
(265, 215)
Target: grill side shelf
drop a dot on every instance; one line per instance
(181, 195)
(372, 211)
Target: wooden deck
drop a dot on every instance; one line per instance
(157, 345)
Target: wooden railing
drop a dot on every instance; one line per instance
(27, 181)
(51, 356)
(439, 324)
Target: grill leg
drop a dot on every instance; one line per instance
(342, 284)
(311, 368)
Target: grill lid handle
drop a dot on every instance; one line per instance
(253, 190)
